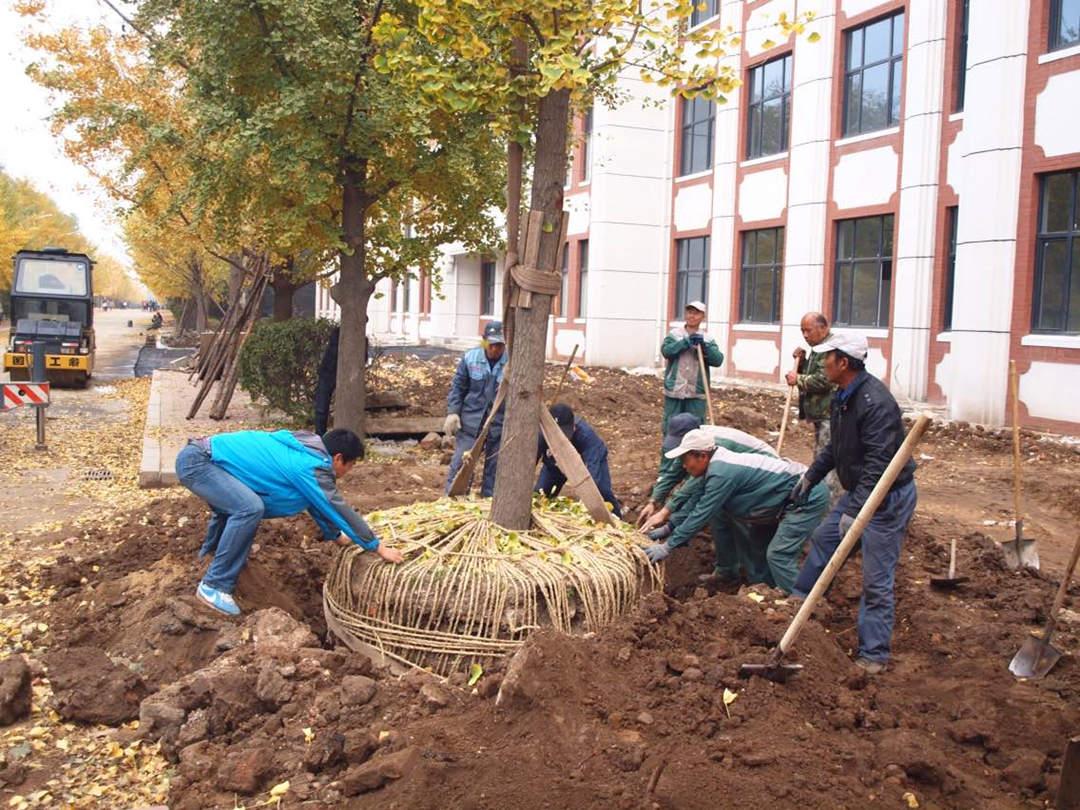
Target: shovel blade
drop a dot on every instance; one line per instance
(1034, 659)
(1027, 556)
(778, 673)
(947, 583)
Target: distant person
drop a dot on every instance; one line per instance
(324, 388)
(684, 390)
(590, 447)
(815, 390)
(471, 397)
(250, 475)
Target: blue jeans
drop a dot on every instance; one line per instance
(881, 541)
(463, 443)
(237, 511)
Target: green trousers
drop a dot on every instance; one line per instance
(776, 560)
(673, 406)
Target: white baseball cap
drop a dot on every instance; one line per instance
(852, 344)
(698, 305)
(698, 440)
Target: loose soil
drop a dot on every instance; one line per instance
(635, 716)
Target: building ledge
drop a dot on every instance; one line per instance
(761, 161)
(1064, 53)
(771, 328)
(695, 176)
(1052, 341)
(868, 136)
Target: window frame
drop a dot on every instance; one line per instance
(564, 283)
(775, 267)
(952, 226)
(1054, 43)
(585, 171)
(757, 106)
(683, 274)
(884, 286)
(960, 66)
(1042, 237)
(712, 10)
(583, 278)
(687, 134)
(895, 61)
(487, 287)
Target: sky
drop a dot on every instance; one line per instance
(28, 149)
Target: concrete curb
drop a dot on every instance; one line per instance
(150, 472)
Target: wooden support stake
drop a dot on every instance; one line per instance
(562, 379)
(577, 474)
(463, 479)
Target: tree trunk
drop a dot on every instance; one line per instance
(512, 504)
(284, 289)
(352, 293)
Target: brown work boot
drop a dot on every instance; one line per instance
(870, 667)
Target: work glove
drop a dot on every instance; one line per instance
(846, 522)
(697, 339)
(452, 424)
(657, 552)
(799, 492)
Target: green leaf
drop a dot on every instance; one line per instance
(475, 671)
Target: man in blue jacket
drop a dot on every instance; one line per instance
(248, 475)
(472, 395)
(590, 447)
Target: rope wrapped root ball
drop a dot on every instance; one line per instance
(470, 591)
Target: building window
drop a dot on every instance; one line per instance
(586, 144)
(583, 279)
(697, 135)
(691, 271)
(952, 218)
(872, 75)
(1056, 300)
(703, 10)
(960, 71)
(564, 287)
(759, 285)
(487, 287)
(863, 271)
(770, 108)
(1064, 23)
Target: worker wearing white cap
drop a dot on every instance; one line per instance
(684, 390)
(746, 489)
(866, 430)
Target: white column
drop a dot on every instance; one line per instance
(989, 194)
(924, 77)
(808, 175)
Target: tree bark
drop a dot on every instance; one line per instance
(512, 504)
(284, 289)
(352, 293)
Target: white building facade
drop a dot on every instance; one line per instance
(913, 173)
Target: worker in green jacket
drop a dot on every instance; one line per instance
(815, 390)
(684, 390)
(747, 489)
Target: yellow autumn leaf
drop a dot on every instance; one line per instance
(309, 735)
(279, 790)
(912, 802)
(475, 671)
(757, 597)
(729, 698)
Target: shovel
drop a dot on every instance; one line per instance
(774, 668)
(1020, 552)
(951, 580)
(1037, 656)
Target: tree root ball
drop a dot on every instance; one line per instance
(470, 592)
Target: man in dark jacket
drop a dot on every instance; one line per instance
(324, 390)
(866, 432)
(471, 397)
(590, 447)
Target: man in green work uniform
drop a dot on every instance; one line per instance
(748, 489)
(815, 390)
(684, 390)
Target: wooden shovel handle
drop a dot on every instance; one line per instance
(705, 385)
(877, 495)
(1014, 385)
(1063, 588)
(787, 413)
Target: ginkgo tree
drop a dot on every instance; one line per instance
(528, 65)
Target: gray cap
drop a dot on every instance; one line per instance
(493, 332)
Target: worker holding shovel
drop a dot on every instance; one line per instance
(815, 390)
(251, 474)
(687, 376)
(866, 432)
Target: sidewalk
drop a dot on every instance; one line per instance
(167, 428)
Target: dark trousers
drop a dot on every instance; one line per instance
(324, 392)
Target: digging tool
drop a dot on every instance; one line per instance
(1037, 656)
(705, 385)
(460, 484)
(950, 580)
(1068, 794)
(562, 379)
(787, 414)
(774, 668)
(1021, 551)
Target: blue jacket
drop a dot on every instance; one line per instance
(472, 392)
(291, 472)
